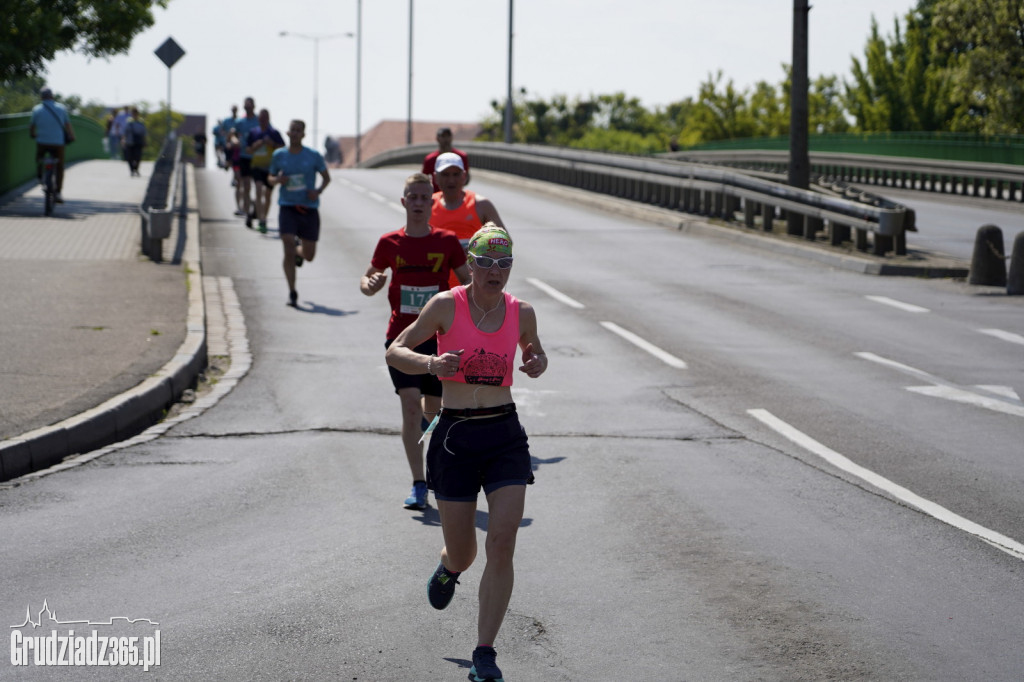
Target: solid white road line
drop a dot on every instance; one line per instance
(1005, 336)
(667, 358)
(997, 540)
(908, 307)
(555, 293)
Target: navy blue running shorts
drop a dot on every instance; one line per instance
(427, 383)
(301, 221)
(466, 455)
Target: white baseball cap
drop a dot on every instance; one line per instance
(447, 160)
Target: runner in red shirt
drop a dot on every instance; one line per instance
(420, 258)
(444, 144)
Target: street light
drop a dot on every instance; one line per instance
(408, 111)
(316, 38)
(359, 80)
(508, 96)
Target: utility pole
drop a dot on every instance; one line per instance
(508, 98)
(799, 160)
(408, 113)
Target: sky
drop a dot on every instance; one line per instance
(658, 51)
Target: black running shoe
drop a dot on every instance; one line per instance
(441, 587)
(298, 261)
(484, 667)
(293, 298)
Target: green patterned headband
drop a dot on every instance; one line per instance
(490, 237)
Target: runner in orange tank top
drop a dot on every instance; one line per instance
(455, 208)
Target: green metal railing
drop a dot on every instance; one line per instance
(18, 150)
(1008, 149)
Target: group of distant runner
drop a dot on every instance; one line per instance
(259, 159)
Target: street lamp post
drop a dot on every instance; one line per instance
(359, 80)
(508, 97)
(408, 112)
(316, 38)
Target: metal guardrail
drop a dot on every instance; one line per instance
(18, 150)
(967, 178)
(695, 188)
(158, 206)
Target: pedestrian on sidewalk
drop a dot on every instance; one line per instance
(117, 132)
(134, 141)
(477, 440)
(295, 168)
(420, 258)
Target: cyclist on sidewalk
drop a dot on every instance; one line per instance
(51, 128)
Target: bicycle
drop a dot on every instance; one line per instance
(48, 178)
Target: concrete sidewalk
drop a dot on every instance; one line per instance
(96, 341)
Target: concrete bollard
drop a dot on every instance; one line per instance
(988, 264)
(1015, 282)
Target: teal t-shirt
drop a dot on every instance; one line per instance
(300, 171)
(49, 118)
(243, 126)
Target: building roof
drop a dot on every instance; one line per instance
(390, 134)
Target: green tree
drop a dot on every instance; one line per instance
(826, 113)
(985, 44)
(904, 82)
(20, 95)
(37, 30)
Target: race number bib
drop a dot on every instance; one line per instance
(297, 182)
(414, 298)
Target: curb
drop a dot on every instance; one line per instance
(931, 265)
(131, 412)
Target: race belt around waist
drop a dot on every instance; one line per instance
(471, 412)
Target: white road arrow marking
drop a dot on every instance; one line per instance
(1005, 401)
(1005, 336)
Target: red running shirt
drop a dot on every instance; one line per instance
(419, 270)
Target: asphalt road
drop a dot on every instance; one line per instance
(798, 473)
(948, 224)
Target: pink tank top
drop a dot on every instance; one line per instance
(489, 357)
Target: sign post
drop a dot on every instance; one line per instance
(169, 53)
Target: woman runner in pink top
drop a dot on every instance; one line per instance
(477, 441)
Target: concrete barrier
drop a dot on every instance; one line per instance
(988, 262)
(1015, 280)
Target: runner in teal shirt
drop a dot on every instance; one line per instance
(295, 168)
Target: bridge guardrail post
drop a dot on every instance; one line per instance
(767, 217)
